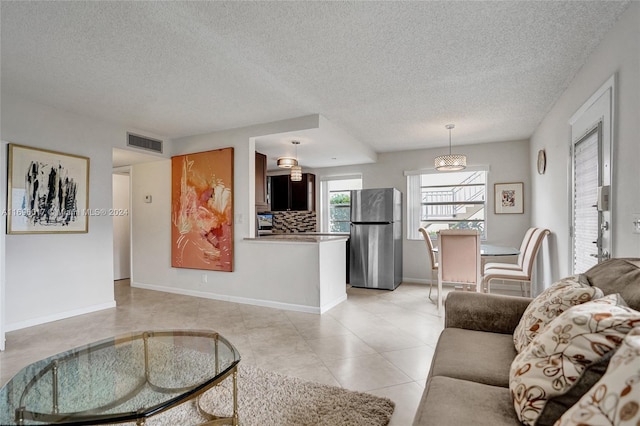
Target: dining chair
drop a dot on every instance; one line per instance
(458, 259)
(519, 275)
(432, 257)
(523, 249)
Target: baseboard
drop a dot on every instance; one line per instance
(58, 316)
(417, 280)
(243, 300)
(426, 282)
(332, 304)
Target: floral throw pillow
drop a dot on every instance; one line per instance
(559, 354)
(553, 301)
(615, 399)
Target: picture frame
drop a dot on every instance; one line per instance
(509, 198)
(47, 191)
(202, 210)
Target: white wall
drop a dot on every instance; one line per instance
(259, 270)
(508, 161)
(54, 276)
(3, 226)
(121, 227)
(619, 53)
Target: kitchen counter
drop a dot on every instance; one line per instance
(306, 237)
(302, 271)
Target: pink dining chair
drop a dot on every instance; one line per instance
(432, 258)
(523, 249)
(458, 260)
(519, 275)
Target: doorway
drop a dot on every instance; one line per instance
(121, 225)
(591, 194)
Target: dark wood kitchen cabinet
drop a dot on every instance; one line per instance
(288, 195)
(262, 203)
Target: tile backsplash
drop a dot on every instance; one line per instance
(294, 221)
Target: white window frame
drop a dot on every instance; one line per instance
(324, 197)
(414, 199)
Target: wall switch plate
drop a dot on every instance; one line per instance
(147, 198)
(636, 223)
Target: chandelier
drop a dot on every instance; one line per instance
(292, 163)
(450, 162)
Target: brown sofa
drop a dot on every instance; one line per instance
(468, 383)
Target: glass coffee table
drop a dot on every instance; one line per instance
(122, 379)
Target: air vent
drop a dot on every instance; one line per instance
(144, 143)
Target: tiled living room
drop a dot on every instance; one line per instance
(365, 92)
(379, 342)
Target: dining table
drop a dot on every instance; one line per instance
(496, 250)
(487, 250)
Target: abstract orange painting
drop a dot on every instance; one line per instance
(202, 210)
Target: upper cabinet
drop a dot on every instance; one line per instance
(262, 203)
(288, 195)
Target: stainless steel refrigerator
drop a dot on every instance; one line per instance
(375, 258)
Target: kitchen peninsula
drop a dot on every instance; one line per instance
(311, 268)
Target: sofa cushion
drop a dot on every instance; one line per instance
(615, 399)
(556, 406)
(618, 276)
(553, 301)
(557, 357)
(449, 401)
(484, 312)
(477, 356)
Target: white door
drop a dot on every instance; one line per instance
(590, 223)
(121, 227)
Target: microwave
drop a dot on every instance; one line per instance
(265, 222)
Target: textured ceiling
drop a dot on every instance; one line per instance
(391, 74)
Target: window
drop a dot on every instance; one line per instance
(449, 200)
(336, 202)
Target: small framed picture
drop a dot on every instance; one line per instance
(509, 198)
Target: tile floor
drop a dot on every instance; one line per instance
(377, 341)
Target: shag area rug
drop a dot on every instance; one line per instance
(266, 398)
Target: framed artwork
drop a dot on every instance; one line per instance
(48, 192)
(509, 198)
(202, 210)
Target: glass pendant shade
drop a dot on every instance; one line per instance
(451, 162)
(296, 174)
(287, 162)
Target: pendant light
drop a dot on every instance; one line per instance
(451, 162)
(287, 162)
(296, 171)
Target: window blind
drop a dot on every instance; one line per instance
(585, 192)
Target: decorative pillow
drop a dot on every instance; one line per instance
(562, 295)
(615, 399)
(560, 353)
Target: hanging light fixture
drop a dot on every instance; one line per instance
(296, 171)
(451, 162)
(287, 162)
